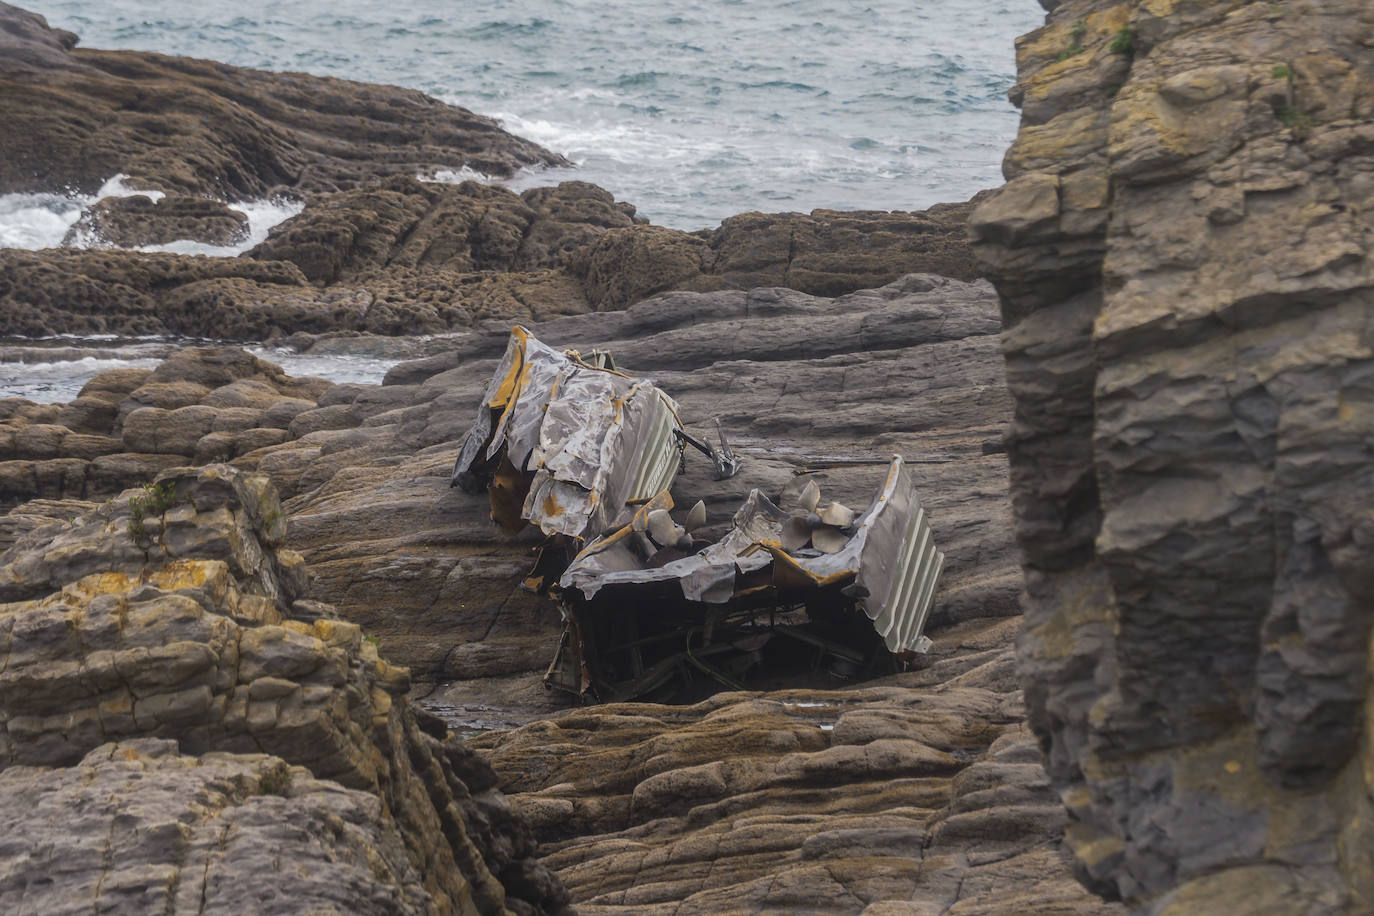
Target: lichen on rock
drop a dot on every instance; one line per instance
(1182, 256)
(173, 617)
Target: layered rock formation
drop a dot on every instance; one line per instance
(181, 729)
(1182, 256)
(921, 796)
(76, 117)
(402, 256)
(918, 794)
(366, 468)
(126, 426)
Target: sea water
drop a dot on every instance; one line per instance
(693, 111)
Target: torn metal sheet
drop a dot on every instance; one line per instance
(888, 563)
(571, 440)
(588, 455)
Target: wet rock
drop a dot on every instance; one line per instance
(137, 221)
(1181, 257)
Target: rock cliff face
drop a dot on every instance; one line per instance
(76, 117)
(1182, 253)
(181, 730)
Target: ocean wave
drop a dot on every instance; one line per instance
(43, 220)
(456, 176)
(59, 381)
(263, 217)
(647, 100)
(337, 367)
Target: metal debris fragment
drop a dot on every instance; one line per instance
(572, 442)
(588, 454)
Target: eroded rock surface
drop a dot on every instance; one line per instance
(1182, 253)
(405, 226)
(76, 117)
(163, 672)
(918, 794)
(405, 257)
(137, 221)
(924, 795)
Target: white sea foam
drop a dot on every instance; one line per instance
(456, 176)
(337, 367)
(36, 220)
(43, 220)
(61, 380)
(118, 187)
(262, 215)
(54, 369)
(618, 141)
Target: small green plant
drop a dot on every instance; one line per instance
(1123, 42)
(372, 641)
(1296, 120)
(1076, 34)
(1281, 72)
(155, 499)
(275, 781)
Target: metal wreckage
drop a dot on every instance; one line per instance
(588, 454)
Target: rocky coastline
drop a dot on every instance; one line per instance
(257, 656)
(273, 570)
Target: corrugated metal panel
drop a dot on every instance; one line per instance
(659, 460)
(593, 438)
(899, 566)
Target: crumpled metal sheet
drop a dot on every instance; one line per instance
(891, 557)
(592, 438)
(707, 576)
